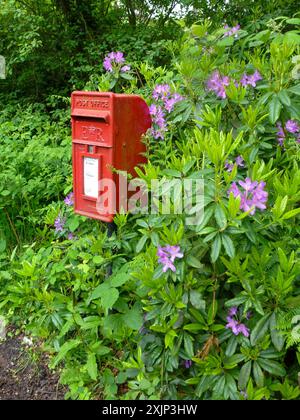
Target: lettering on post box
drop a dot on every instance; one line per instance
(92, 103)
(92, 133)
(91, 176)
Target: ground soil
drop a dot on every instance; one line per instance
(23, 374)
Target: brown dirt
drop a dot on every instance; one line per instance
(23, 376)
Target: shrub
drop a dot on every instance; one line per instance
(205, 311)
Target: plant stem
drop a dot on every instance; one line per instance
(12, 226)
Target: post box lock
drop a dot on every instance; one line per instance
(106, 133)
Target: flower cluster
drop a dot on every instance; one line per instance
(239, 162)
(292, 127)
(250, 79)
(114, 61)
(254, 196)
(231, 31)
(234, 324)
(167, 255)
(165, 101)
(217, 83)
(69, 200)
(59, 223)
(158, 120)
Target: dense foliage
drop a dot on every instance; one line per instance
(205, 311)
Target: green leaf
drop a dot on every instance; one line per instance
(260, 329)
(97, 259)
(98, 292)
(291, 213)
(284, 98)
(292, 36)
(226, 42)
(274, 110)
(133, 318)
(196, 299)
(216, 248)
(119, 279)
(126, 76)
(193, 327)
(277, 338)
(65, 348)
(188, 345)
(244, 375)
(109, 297)
(295, 89)
(193, 262)
(220, 216)
(91, 366)
(231, 346)
(212, 311)
(236, 301)
(258, 375)
(233, 205)
(234, 360)
(141, 243)
(272, 367)
(293, 21)
(228, 245)
(2, 245)
(73, 223)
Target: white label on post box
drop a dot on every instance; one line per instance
(91, 177)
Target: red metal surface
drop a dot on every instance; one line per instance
(106, 128)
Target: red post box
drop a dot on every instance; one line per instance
(106, 134)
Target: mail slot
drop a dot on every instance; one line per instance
(107, 131)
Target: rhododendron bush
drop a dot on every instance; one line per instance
(164, 308)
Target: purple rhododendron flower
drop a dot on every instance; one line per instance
(234, 324)
(70, 236)
(171, 101)
(292, 126)
(248, 315)
(125, 68)
(188, 364)
(239, 161)
(233, 311)
(59, 223)
(114, 58)
(254, 196)
(119, 57)
(250, 79)
(161, 92)
(107, 64)
(228, 166)
(217, 83)
(158, 119)
(173, 251)
(167, 255)
(231, 31)
(69, 200)
(234, 189)
(280, 134)
(169, 104)
(248, 185)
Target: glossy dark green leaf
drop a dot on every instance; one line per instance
(244, 375)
